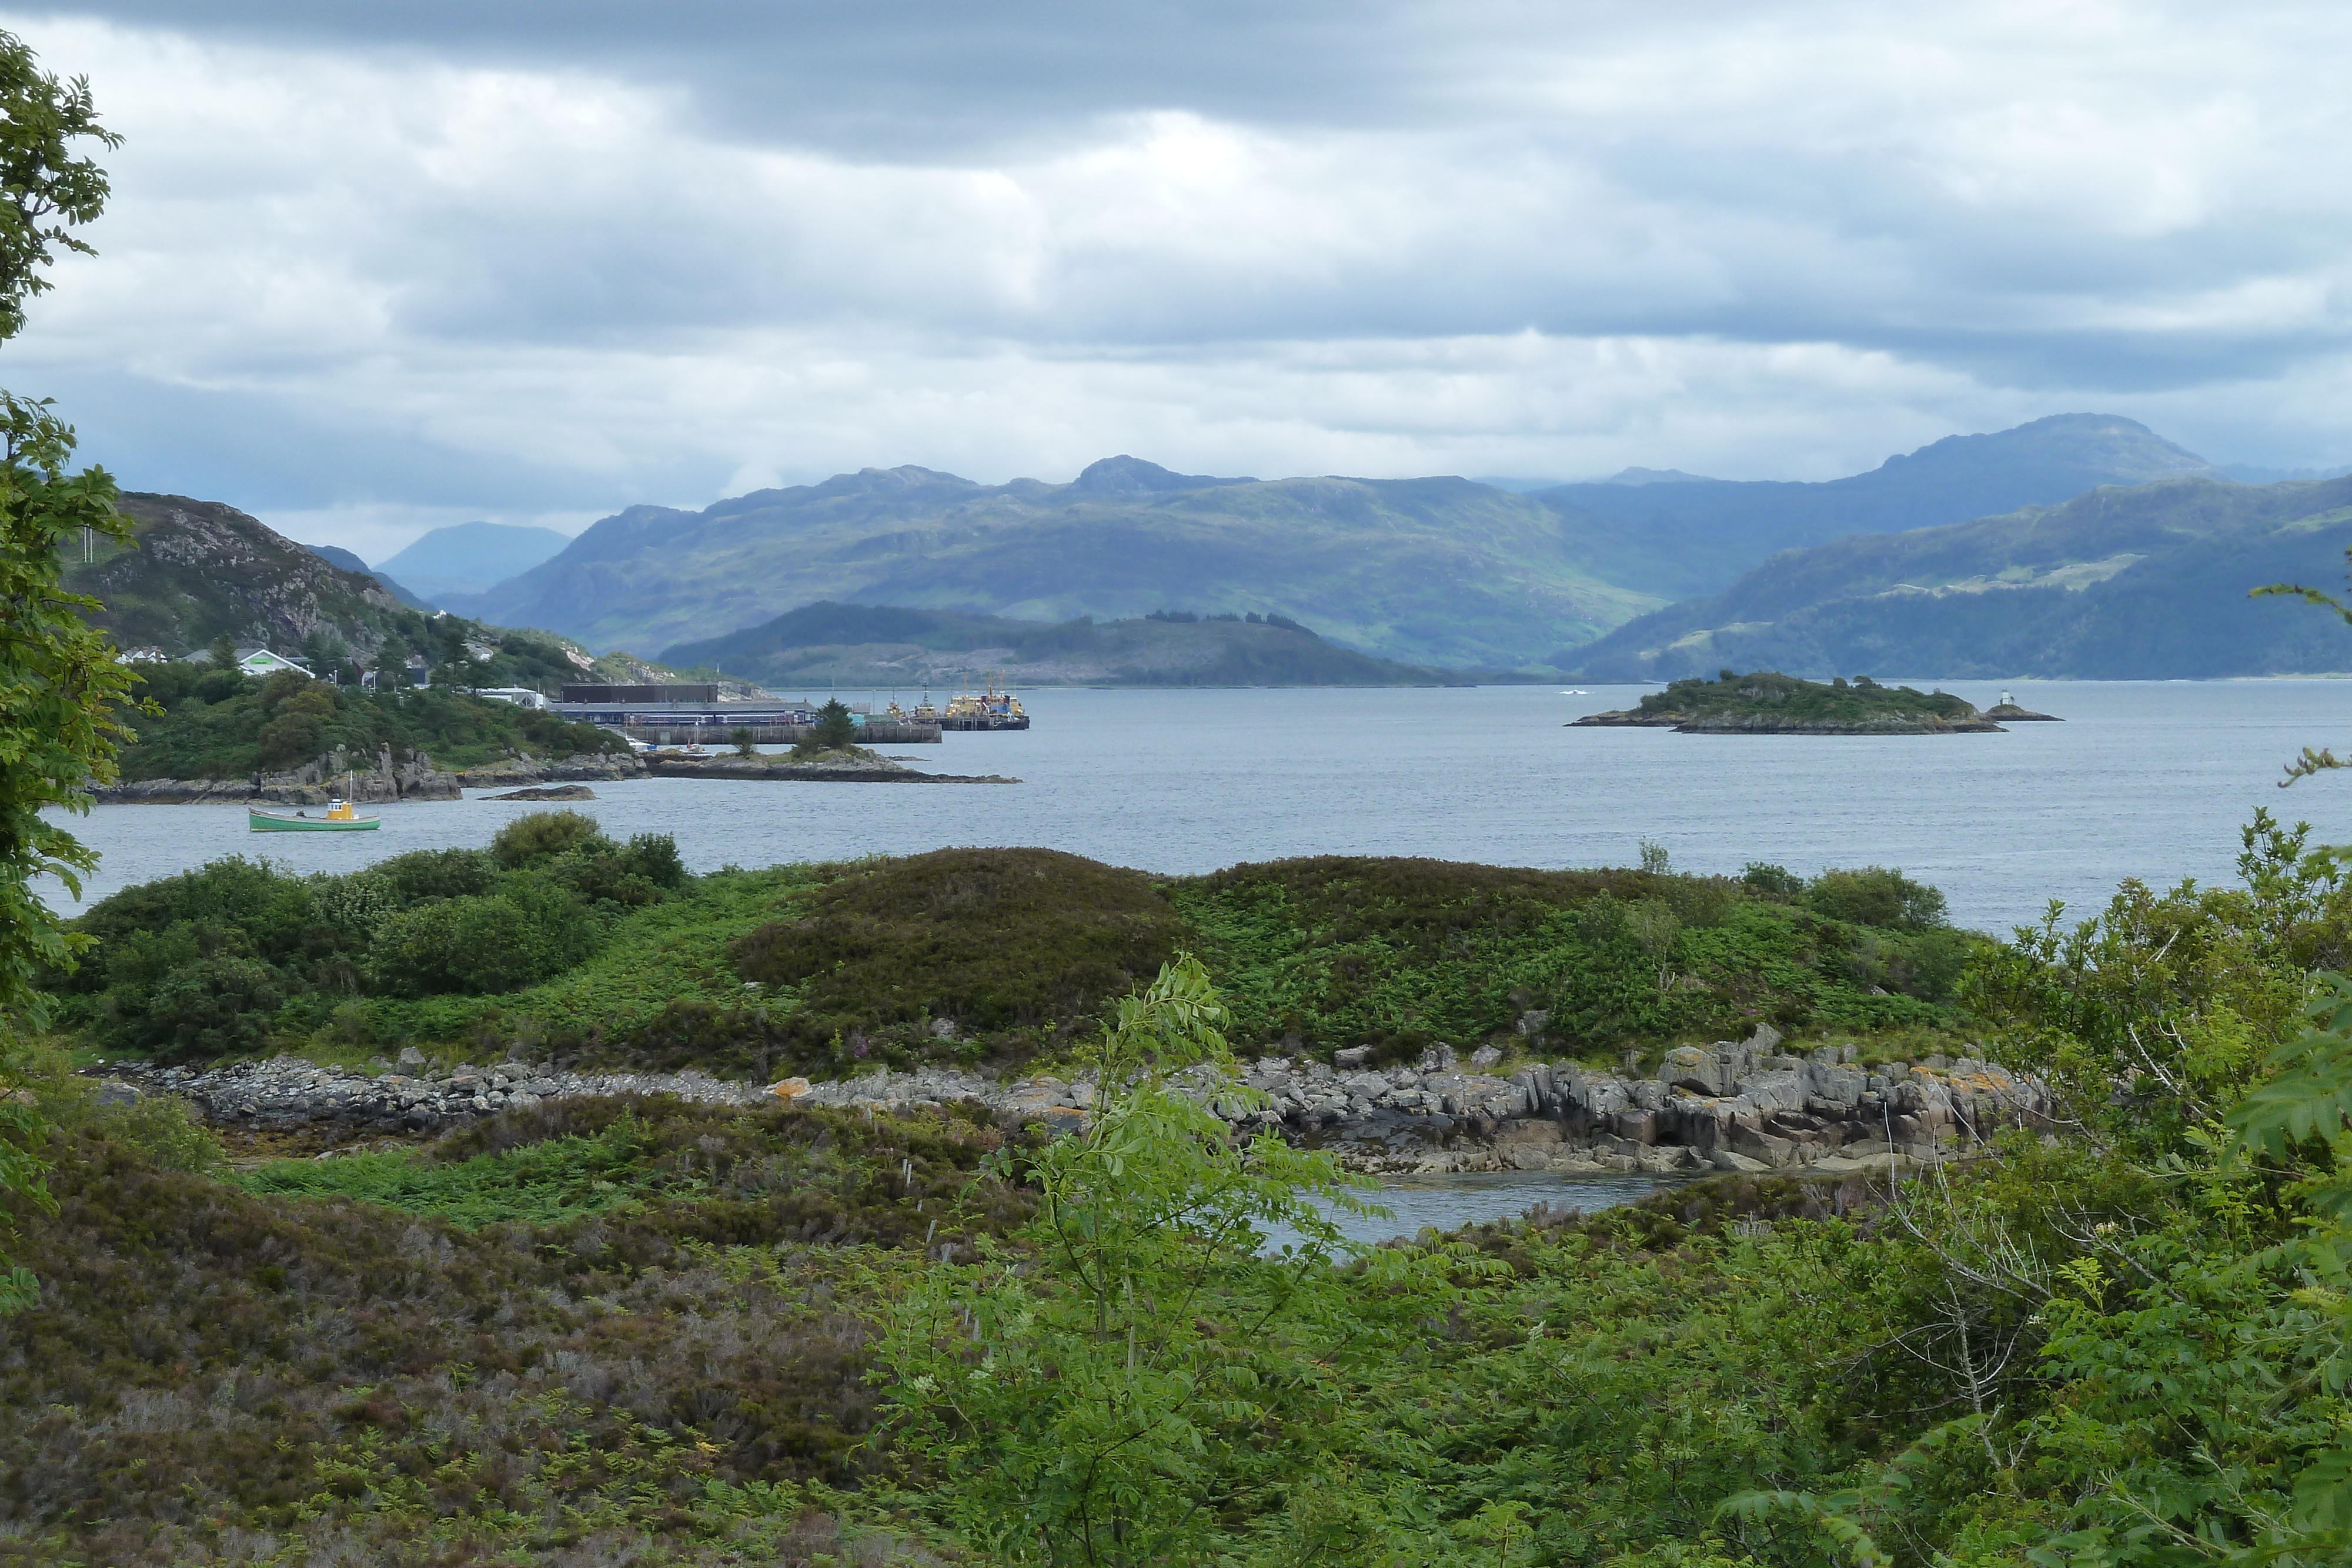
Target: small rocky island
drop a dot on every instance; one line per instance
(1769, 703)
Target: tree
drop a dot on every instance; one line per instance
(746, 742)
(1103, 1391)
(835, 728)
(59, 683)
(46, 188)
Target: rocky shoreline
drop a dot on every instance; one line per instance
(1769, 724)
(770, 768)
(1731, 1106)
(339, 777)
(329, 778)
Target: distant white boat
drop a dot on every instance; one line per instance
(1576, 692)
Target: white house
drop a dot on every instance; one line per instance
(262, 662)
(522, 697)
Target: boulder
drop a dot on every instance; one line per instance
(1737, 1163)
(1694, 1068)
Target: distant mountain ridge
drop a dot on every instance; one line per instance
(469, 557)
(898, 649)
(2147, 582)
(1435, 572)
(1694, 537)
(336, 556)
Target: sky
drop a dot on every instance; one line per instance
(368, 267)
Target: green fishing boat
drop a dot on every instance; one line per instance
(338, 817)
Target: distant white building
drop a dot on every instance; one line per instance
(262, 662)
(522, 697)
(147, 656)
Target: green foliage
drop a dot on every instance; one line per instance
(2177, 997)
(239, 955)
(59, 685)
(529, 929)
(220, 725)
(835, 726)
(1876, 896)
(50, 190)
(542, 835)
(1111, 1392)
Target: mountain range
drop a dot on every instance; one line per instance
(2147, 582)
(1434, 571)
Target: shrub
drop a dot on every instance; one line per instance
(1771, 880)
(423, 874)
(213, 1006)
(484, 945)
(1875, 895)
(292, 739)
(542, 835)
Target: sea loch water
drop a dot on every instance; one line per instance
(2143, 778)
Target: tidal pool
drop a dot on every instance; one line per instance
(1449, 1202)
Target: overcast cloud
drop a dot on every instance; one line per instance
(370, 268)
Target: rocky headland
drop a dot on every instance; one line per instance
(1732, 1106)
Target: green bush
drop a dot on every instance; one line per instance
(1875, 895)
(542, 835)
(423, 874)
(484, 945)
(210, 1006)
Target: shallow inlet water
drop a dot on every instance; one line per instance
(2143, 778)
(1449, 1202)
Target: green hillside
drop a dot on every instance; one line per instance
(2149, 582)
(221, 724)
(829, 644)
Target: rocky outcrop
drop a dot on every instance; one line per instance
(336, 775)
(1730, 1106)
(522, 771)
(339, 776)
(286, 1094)
(548, 792)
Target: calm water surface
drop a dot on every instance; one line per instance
(2143, 778)
(1449, 1202)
